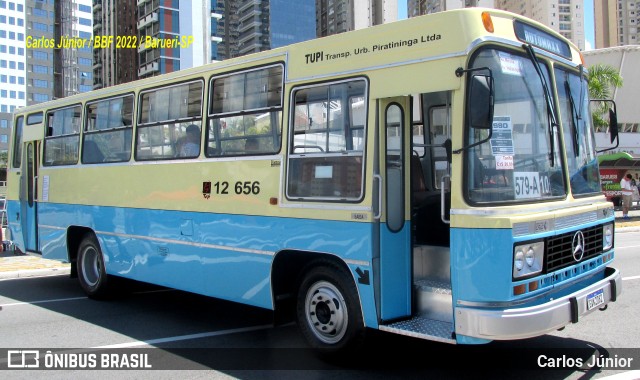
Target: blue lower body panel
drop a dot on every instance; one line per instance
(219, 255)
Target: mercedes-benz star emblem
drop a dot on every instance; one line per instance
(578, 246)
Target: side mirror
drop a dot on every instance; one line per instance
(481, 102)
(613, 124)
(479, 106)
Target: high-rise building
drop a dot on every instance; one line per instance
(564, 16)
(423, 7)
(616, 22)
(216, 25)
(227, 29)
(605, 23)
(339, 16)
(249, 26)
(59, 57)
(12, 65)
(173, 35)
(113, 65)
(73, 55)
(39, 20)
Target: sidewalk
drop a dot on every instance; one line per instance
(21, 265)
(630, 225)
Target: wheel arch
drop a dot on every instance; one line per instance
(287, 271)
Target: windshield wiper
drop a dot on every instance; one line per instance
(547, 97)
(575, 117)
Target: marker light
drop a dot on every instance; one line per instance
(487, 22)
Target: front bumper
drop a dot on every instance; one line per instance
(519, 323)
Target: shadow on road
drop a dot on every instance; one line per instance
(248, 354)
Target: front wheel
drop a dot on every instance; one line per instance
(328, 310)
(91, 271)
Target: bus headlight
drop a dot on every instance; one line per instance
(527, 259)
(518, 261)
(607, 237)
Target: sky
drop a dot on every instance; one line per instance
(588, 20)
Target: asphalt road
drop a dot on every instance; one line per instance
(191, 336)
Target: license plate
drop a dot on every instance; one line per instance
(595, 299)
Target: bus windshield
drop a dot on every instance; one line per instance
(521, 162)
(578, 133)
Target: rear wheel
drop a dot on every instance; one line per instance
(91, 271)
(328, 310)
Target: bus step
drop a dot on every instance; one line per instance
(423, 328)
(433, 299)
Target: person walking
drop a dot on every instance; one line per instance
(627, 193)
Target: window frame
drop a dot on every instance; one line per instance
(48, 137)
(18, 131)
(86, 132)
(141, 126)
(334, 158)
(213, 134)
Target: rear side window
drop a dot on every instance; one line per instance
(17, 142)
(62, 136)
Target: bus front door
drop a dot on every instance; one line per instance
(394, 249)
(29, 197)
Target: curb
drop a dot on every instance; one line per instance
(34, 273)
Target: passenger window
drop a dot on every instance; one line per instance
(62, 136)
(108, 131)
(245, 112)
(170, 122)
(327, 142)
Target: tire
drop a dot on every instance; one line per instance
(92, 274)
(328, 311)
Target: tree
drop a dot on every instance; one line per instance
(602, 79)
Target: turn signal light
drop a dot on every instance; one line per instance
(487, 22)
(519, 289)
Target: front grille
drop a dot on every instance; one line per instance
(559, 248)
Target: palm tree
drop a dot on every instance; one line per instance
(602, 78)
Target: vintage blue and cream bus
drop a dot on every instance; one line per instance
(434, 177)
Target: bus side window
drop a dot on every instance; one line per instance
(63, 136)
(17, 142)
(108, 130)
(245, 113)
(166, 114)
(326, 149)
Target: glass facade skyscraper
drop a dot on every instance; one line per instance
(291, 22)
(249, 26)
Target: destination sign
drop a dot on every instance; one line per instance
(536, 37)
